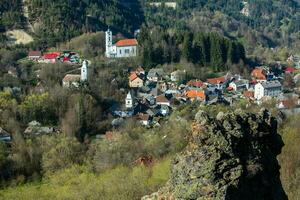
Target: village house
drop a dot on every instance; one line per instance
(162, 100)
(239, 85)
(155, 74)
(259, 74)
(196, 94)
(140, 71)
(145, 119)
(178, 75)
(34, 55)
(217, 83)
(50, 57)
(195, 83)
(267, 89)
(287, 101)
(135, 81)
(122, 49)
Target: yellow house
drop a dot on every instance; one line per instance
(135, 81)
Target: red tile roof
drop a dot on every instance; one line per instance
(195, 83)
(52, 55)
(215, 81)
(259, 74)
(127, 42)
(132, 76)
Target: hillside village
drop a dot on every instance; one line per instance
(155, 93)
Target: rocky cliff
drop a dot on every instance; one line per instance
(232, 156)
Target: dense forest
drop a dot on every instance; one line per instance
(211, 50)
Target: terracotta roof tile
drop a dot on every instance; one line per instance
(195, 83)
(127, 42)
(215, 81)
(195, 94)
(259, 73)
(133, 76)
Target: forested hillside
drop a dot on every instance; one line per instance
(266, 23)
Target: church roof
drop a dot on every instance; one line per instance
(71, 78)
(127, 42)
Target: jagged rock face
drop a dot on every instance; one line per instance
(230, 157)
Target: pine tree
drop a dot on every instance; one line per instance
(187, 50)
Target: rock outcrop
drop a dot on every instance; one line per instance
(230, 157)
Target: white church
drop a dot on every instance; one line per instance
(122, 49)
(74, 79)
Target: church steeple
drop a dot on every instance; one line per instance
(84, 71)
(108, 42)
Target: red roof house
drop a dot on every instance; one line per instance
(51, 57)
(196, 94)
(259, 74)
(195, 83)
(216, 81)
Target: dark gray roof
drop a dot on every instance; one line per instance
(271, 84)
(156, 72)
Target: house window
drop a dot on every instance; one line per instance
(120, 51)
(126, 51)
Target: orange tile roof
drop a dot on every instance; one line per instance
(127, 42)
(132, 76)
(195, 83)
(215, 81)
(195, 94)
(258, 73)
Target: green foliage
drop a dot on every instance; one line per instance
(37, 107)
(119, 183)
(61, 152)
(11, 13)
(290, 157)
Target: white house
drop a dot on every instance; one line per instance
(122, 49)
(269, 88)
(239, 85)
(177, 75)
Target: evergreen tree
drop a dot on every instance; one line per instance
(187, 49)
